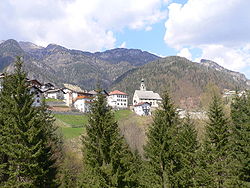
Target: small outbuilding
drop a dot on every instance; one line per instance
(143, 109)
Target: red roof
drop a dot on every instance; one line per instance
(84, 97)
(142, 103)
(117, 92)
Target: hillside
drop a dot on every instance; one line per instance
(184, 79)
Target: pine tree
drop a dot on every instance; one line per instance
(216, 150)
(108, 162)
(240, 113)
(162, 149)
(28, 138)
(188, 143)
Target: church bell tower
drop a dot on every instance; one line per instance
(143, 87)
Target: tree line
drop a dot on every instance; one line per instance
(30, 148)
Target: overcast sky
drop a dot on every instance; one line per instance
(218, 30)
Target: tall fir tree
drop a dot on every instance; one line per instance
(216, 153)
(162, 148)
(108, 162)
(188, 144)
(240, 114)
(28, 139)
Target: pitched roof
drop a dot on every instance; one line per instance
(34, 82)
(36, 88)
(54, 91)
(2, 75)
(142, 103)
(74, 88)
(147, 95)
(117, 92)
(83, 97)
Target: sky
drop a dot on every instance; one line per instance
(217, 30)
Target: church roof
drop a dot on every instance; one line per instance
(147, 95)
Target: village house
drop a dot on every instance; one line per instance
(143, 95)
(35, 83)
(142, 109)
(1, 76)
(35, 89)
(82, 103)
(47, 86)
(54, 94)
(37, 95)
(70, 95)
(117, 100)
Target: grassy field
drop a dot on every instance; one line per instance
(73, 120)
(122, 114)
(72, 126)
(70, 132)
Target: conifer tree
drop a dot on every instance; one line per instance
(28, 139)
(108, 162)
(240, 113)
(162, 149)
(216, 152)
(188, 143)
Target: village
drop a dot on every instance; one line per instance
(144, 101)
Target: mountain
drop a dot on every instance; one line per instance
(29, 47)
(134, 56)
(213, 65)
(8, 50)
(60, 65)
(185, 80)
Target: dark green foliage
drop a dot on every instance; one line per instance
(108, 161)
(215, 158)
(188, 143)
(28, 140)
(240, 113)
(161, 150)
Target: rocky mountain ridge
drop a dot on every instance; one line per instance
(214, 65)
(61, 65)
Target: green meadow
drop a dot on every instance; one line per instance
(72, 126)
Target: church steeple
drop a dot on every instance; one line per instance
(143, 87)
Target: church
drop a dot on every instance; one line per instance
(143, 96)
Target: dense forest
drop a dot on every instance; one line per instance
(32, 153)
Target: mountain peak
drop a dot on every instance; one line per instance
(11, 47)
(10, 42)
(53, 47)
(29, 46)
(212, 64)
(133, 56)
(216, 66)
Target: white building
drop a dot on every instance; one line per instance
(34, 87)
(47, 86)
(37, 95)
(118, 99)
(142, 109)
(55, 94)
(82, 103)
(143, 95)
(1, 80)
